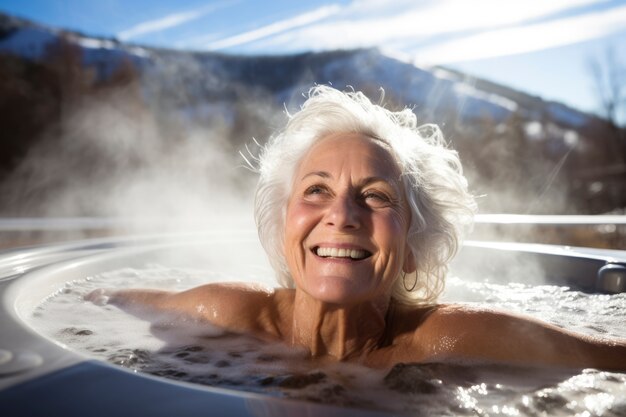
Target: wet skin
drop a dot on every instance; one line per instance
(345, 244)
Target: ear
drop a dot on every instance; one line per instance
(409, 265)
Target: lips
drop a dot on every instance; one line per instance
(341, 253)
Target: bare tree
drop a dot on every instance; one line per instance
(609, 76)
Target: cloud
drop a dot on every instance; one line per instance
(442, 31)
(368, 23)
(170, 21)
(277, 27)
(528, 38)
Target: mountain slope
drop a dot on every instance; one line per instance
(432, 91)
(512, 143)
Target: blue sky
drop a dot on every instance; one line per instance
(539, 46)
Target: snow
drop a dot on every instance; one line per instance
(497, 100)
(430, 91)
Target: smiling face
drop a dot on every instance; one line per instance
(347, 221)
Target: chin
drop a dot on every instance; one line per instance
(338, 290)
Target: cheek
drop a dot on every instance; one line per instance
(299, 216)
(394, 228)
(391, 233)
(299, 220)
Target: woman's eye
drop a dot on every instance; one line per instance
(375, 198)
(315, 190)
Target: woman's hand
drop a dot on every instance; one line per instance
(139, 302)
(99, 297)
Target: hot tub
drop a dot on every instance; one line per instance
(39, 376)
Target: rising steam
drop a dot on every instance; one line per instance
(111, 156)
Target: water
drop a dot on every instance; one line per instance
(205, 355)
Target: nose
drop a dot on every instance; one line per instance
(343, 213)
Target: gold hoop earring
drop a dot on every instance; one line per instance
(404, 282)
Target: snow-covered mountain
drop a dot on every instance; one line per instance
(434, 92)
(537, 143)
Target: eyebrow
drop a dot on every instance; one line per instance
(365, 181)
(322, 174)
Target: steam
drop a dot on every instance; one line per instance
(160, 153)
(160, 169)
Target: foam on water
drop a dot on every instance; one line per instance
(175, 348)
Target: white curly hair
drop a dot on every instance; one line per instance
(441, 207)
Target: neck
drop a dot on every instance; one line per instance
(343, 332)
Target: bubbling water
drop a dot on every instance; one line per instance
(175, 348)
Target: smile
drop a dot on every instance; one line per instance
(356, 254)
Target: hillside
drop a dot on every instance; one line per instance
(84, 107)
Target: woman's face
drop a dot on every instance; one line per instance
(347, 221)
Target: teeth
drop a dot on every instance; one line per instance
(341, 253)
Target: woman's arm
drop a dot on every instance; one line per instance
(234, 307)
(456, 332)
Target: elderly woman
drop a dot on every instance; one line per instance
(360, 210)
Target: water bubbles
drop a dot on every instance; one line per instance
(598, 403)
(130, 358)
(193, 352)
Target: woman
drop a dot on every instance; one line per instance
(360, 211)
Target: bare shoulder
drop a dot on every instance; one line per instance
(222, 298)
(240, 307)
(445, 315)
(459, 323)
(479, 322)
